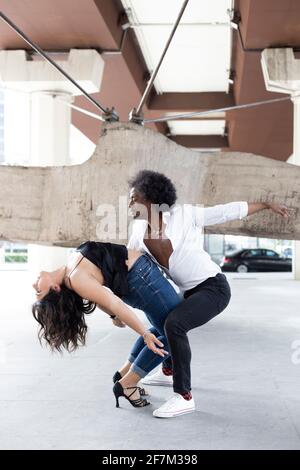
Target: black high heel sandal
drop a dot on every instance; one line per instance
(117, 376)
(119, 392)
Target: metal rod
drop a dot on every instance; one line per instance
(81, 110)
(50, 61)
(190, 116)
(176, 117)
(211, 23)
(154, 73)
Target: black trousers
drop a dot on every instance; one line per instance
(200, 305)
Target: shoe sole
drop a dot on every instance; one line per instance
(175, 415)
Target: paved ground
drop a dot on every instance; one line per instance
(246, 378)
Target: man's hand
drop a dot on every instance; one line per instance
(280, 209)
(151, 341)
(117, 322)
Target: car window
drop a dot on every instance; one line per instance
(271, 254)
(253, 253)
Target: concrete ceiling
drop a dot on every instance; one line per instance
(58, 25)
(198, 59)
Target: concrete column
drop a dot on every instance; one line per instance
(50, 122)
(2, 255)
(50, 128)
(281, 72)
(50, 117)
(296, 161)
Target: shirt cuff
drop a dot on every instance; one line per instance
(243, 209)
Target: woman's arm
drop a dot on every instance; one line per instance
(116, 321)
(89, 288)
(105, 311)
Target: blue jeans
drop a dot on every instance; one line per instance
(151, 292)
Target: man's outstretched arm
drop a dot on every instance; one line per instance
(222, 213)
(280, 209)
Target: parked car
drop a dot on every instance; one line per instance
(255, 259)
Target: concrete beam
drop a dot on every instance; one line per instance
(281, 70)
(201, 141)
(185, 102)
(85, 66)
(63, 205)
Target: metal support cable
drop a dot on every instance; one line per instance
(186, 115)
(81, 110)
(154, 73)
(145, 25)
(61, 100)
(50, 61)
(212, 111)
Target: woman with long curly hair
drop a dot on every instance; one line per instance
(109, 276)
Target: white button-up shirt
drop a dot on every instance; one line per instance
(189, 263)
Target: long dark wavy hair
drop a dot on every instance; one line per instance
(61, 319)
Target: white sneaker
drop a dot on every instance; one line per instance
(158, 378)
(175, 406)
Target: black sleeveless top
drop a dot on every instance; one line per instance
(111, 260)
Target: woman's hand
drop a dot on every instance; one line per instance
(151, 341)
(280, 209)
(117, 322)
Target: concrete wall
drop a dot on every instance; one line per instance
(57, 205)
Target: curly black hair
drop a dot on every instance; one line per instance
(61, 319)
(154, 187)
